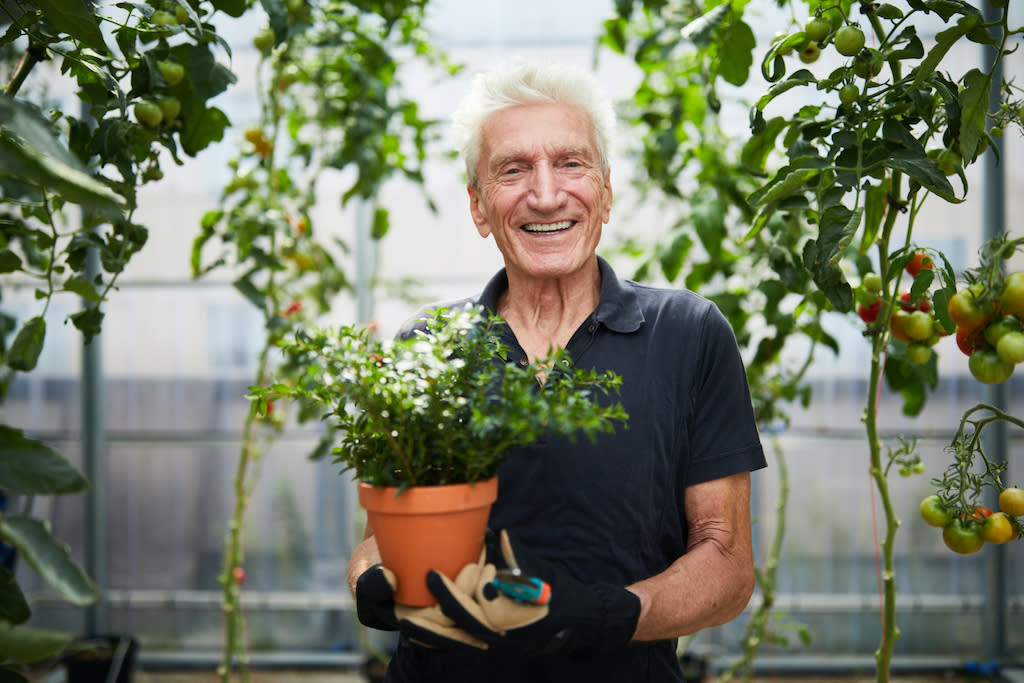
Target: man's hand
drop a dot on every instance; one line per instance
(426, 626)
(580, 619)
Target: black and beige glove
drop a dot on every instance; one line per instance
(428, 626)
(580, 618)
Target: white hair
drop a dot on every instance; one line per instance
(520, 82)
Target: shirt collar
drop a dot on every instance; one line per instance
(618, 308)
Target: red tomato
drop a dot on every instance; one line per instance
(970, 341)
(869, 314)
(921, 260)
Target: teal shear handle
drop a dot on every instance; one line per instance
(522, 588)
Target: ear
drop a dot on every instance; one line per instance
(476, 211)
(607, 208)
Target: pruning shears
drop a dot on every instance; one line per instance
(522, 588)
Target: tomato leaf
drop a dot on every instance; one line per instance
(944, 40)
(28, 645)
(974, 101)
(760, 145)
(28, 344)
(29, 467)
(74, 18)
(50, 558)
(233, 8)
(736, 53)
(31, 152)
(13, 606)
(700, 29)
(801, 77)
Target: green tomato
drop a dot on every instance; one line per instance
(172, 72)
(962, 537)
(919, 325)
(995, 330)
(809, 53)
(170, 107)
(868, 63)
(918, 353)
(148, 113)
(934, 512)
(849, 94)
(988, 368)
(817, 29)
(849, 40)
(1011, 299)
(872, 282)
(1010, 348)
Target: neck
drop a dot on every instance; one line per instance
(546, 313)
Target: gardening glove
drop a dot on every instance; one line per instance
(427, 626)
(580, 618)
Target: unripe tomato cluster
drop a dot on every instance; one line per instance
(990, 327)
(913, 322)
(968, 533)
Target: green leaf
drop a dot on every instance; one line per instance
(14, 608)
(801, 77)
(250, 291)
(233, 8)
(74, 18)
(24, 352)
(51, 559)
(381, 223)
(944, 40)
(88, 322)
(777, 189)
(29, 467)
(974, 100)
(203, 128)
(760, 145)
(700, 29)
(875, 200)
(83, 288)
(9, 261)
(31, 153)
(736, 53)
(22, 645)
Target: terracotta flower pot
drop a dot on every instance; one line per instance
(428, 527)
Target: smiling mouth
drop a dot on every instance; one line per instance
(548, 227)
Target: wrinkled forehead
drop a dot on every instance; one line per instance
(537, 130)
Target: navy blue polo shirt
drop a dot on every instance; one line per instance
(612, 511)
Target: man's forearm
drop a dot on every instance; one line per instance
(706, 587)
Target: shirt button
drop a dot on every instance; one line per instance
(591, 328)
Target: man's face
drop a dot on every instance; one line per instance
(542, 194)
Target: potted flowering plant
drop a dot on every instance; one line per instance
(434, 415)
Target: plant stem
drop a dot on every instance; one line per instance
(234, 620)
(32, 56)
(758, 630)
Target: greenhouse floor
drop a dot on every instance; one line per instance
(354, 676)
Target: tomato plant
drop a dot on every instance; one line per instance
(845, 177)
(818, 29)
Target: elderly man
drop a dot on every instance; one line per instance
(643, 536)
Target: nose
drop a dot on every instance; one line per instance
(545, 192)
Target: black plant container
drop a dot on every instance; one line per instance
(101, 659)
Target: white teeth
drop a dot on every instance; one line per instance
(548, 227)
